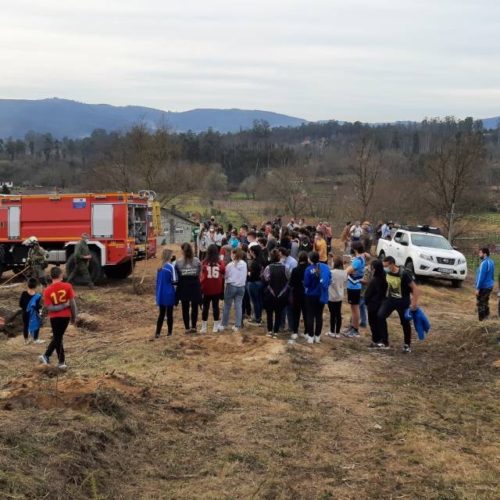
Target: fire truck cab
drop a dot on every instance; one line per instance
(120, 226)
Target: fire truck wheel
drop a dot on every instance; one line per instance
(119, 272)
(95, 268)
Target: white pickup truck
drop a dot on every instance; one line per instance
(426, 253)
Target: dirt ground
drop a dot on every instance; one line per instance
(246, 416)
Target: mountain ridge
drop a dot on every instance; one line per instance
(64, 117)
(76, 119)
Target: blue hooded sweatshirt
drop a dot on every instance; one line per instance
(165, 290)
(317, 279)
(485, 275)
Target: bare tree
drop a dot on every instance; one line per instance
(366, 168)
(452, 171)
(289, 186)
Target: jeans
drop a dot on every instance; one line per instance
(314, 317)
(59, 326)
(362, 312)
(386, 309)
(255, 291)
(274, 308)
(483, 303)
(233, 294)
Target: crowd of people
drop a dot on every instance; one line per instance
(273, 276)
(287, 272)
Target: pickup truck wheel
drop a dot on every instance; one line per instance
(381, 255)
(456, 283)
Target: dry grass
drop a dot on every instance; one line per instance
(233, 416)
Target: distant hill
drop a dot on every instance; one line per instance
(63, 117)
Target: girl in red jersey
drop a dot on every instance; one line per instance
(212, 286)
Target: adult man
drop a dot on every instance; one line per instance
(344, 237)
(385, 231)
(355, 273)
(402, 293)
(37, 259)
(321, 247)
(82, 261)
(61, 295)
(485, 280)
(356, 231)
(252, 238)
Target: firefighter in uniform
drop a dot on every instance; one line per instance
(82, 262)
(37, 259)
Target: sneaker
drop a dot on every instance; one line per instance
(333, 335)
(157, 335)
(39, 341)
(203, 327)
(270, 334)
(236, 329)
(373, 345)
(382, 346)
(187, 331)
(303, 335)
(352, 333)
(310, 340)
(216, 327)
(193, 330)
(362, 325)
(221, 328)
(62, 366)
(317, 340)
(294, 336)
(43, 359)
(169, 334)
(252, 322)
(275, 335)
(406, 348)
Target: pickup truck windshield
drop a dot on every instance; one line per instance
(429, 241)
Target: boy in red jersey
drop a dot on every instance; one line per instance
(212, 286)
(58, 294)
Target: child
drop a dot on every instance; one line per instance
(58, 294)
(30, 303)
(335, 297)
(166, 278)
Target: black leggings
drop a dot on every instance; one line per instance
(374, 324)
(335, 309)
(185, 313)
(59, 326)
(298, 307)
(314, 317)
(169, 311)
(207, 299)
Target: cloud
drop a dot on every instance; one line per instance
(372, 60)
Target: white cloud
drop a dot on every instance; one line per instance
(374, 60)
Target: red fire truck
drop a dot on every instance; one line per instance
(120, 226)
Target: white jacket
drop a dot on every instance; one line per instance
(236, 273)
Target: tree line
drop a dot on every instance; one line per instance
(330, 169)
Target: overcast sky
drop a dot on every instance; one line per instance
(369, 60)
